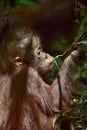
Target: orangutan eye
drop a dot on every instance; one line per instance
(38, 52)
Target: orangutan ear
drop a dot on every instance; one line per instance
(18, 61)
(3, 19)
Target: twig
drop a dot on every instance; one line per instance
(70, 46)
(80, 35)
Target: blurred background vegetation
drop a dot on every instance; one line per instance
(79, 111)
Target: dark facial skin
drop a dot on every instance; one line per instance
(43, 61)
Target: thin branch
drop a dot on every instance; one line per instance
(70, 46)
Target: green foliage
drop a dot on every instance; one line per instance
(76, 114)
(7, 4)
(31, 2)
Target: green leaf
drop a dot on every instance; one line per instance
(31, 2)
(60, 114)
(82, 42)
(54, 120)
(72, 127)
(76, 101)
(28, 2)
(84, 93)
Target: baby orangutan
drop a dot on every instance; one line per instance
(27, 102)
